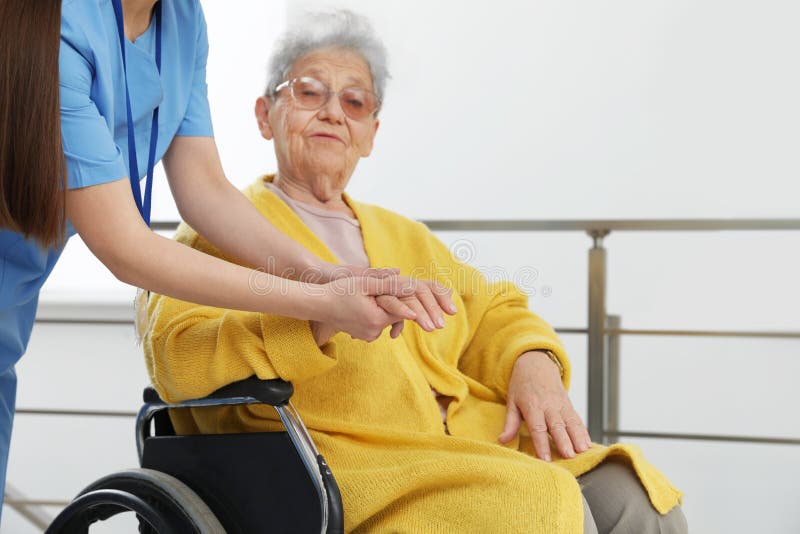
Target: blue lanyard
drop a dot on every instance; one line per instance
(144, 208)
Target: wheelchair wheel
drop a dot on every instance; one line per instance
(163, 504)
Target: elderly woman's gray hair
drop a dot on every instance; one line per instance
(338, 29)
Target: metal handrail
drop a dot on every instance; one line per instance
(703, 333)
(18, 502)
(80, 413)
(703, 437)
(565, 330)
(629, 225)
(588, 225)
(28, 508)
(66, 320)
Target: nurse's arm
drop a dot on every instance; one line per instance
(109, 223)
(107, 220)
(219, 212)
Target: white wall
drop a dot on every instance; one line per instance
(540, 110)
(587, 109)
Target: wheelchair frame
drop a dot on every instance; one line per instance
(118, 492)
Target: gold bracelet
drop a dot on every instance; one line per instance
(554, 359)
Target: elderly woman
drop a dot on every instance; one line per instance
(424, 432)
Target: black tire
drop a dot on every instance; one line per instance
(163, 504)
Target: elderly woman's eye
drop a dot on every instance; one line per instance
(355, 103)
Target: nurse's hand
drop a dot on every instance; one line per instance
(322, 332)
(537, 395)
(327, 272)
(364, 306)
(350, 305)
(423, 301)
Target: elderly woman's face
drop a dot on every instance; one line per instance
(322, 145)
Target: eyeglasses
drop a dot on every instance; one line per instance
(311, 94)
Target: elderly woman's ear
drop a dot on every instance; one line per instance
(263, 105)
(366, 149)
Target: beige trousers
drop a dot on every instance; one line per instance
(615, 502)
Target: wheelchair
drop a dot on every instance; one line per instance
(221, 483)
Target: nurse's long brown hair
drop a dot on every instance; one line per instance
(33, 175)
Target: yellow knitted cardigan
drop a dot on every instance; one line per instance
(369, 406)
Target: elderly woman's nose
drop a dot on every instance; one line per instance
(332, 110)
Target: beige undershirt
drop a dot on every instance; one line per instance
(340, 232)
(342, 235)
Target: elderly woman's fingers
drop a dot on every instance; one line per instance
(576, 430)
(395, 307)
(421, 301)
(444, 297)
(422, 318)
(333, 271)
(431, 304)
(537, 426)
(512, 425)
(558, 430)
(399, 286)
(376, 272)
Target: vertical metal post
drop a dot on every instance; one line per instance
(597, 342)
(613, 324)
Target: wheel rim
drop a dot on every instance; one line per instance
(162, 503)
(100, 505)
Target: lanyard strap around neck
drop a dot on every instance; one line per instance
(133, 163)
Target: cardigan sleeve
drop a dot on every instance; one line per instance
(501, 327)
(193, 350)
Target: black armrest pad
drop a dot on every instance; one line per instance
(150, 395)
(273, 392)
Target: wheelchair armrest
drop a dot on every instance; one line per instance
(274, 392)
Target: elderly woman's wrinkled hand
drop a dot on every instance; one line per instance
(327, 272)
(537, 395)
(429, 301)
(428, 304)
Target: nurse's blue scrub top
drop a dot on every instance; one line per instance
(94, 132)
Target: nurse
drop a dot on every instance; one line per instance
(124, 87)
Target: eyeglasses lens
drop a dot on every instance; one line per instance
(309, 93)
(357, 103)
